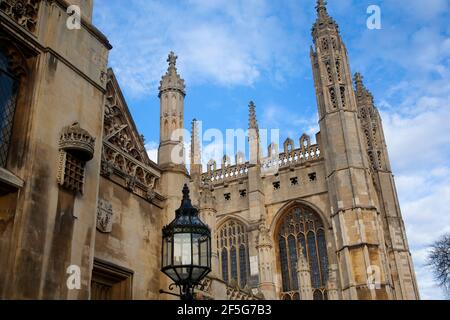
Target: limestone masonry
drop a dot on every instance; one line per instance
(77, 187)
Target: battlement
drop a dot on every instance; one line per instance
(275, 161)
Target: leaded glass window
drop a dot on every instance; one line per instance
(302, 228)
(224, 260)
(8, 94)
(243, 266)
(232, 244)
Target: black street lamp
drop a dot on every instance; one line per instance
(186, 249)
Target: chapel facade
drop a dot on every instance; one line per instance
(79, 196)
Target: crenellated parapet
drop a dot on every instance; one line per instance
(228, 172)
(306, 153)
(293, 157)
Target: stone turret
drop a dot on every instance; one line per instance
(398, 254)
(353, 199)
(171, 93)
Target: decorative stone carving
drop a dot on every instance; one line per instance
(288, 146)
(212, 166)
(24, 12)
(124, 157)
(305, 142)
(70, 172)
(17, 62)
(107, 169)
(78, 142)
(172, 80)
(76, 147)
(273, 150)
(104, 216)
(234, 293)
(226, 162)
(253, 123)
(131, 182)
(119, 129)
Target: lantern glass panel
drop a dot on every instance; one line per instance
(196, 273)
(204, 251)
(196, 249)
(182, 249)
(184, 273)
(167, 252)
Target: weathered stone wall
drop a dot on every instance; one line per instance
(54, 228)
(135, 240)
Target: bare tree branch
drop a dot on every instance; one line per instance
(439, 261)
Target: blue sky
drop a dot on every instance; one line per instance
(234, 51)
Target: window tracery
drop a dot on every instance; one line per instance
(343, 97)
(333, 98)
(302, 228)
(232, 244)
(9, 86)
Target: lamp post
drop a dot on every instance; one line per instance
(186, 249)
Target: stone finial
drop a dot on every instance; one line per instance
(253, 123)
(172, 60)
(363, 95)
(240, 158)
(324, 21)
(321, 5)
(226, 161)
(358, 80)
(78, 142)
(172, 81)
(212, 166)
(195, 144)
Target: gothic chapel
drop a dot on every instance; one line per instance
(79, 194)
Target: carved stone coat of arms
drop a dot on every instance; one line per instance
(104, 216)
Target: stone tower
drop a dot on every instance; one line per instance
(171, 94)
(403, 276)
(171, 157)
(355, 206)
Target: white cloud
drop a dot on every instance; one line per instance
(152, 151)
(223, 42)
(418, 137)
(290, 124)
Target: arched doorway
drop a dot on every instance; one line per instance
(301, 230)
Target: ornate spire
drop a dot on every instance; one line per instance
(363, 96)
(172, 81)
(172, 60)
(323, 21)
(321, 7)
(253, 135)
(253, 123)
(195, 144)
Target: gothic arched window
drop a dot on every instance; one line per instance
(301, 231)
(232, 246)
(8, 96)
